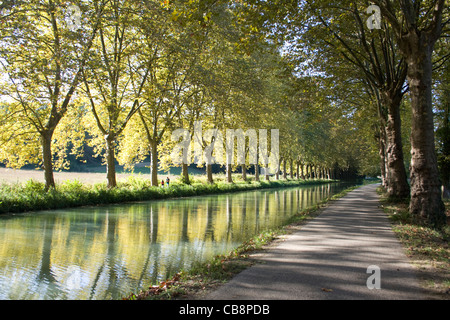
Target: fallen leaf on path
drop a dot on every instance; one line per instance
(327, 290)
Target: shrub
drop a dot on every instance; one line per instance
(33, 186)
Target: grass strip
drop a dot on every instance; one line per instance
(31, 196)
(428, 248)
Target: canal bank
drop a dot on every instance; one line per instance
(30, 196)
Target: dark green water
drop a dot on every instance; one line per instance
(109, 252)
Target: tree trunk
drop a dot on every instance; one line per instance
(444, 137)
(257, 167)
(397, 182)
(46, 144)
(244, 172)
(229, 172)
(185, 173)
(446, 191)
(291, 169)
(382, 153)
(209, 175)
(426, 201)
(154, 163)
(257, 173)
(284, 169)
(110, 161)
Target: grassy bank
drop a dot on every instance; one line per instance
(203, 277)
(31, 196)
(427, 248)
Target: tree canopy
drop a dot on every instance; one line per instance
(344, 84)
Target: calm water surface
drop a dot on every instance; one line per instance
(108, 252)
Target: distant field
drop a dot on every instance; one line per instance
(16, 176)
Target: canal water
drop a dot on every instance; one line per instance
(111, 251)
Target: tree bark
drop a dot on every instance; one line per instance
(209, 175)
(382, 153)
(257, 167)
(426, 201)
(185, 173)
(229, 172)
(154, 163)
(397, 182)
(110, 161)
(244, 172)
(291, 169)
(266, 172)
(46, 144)
(257, 173)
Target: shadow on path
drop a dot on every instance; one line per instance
(329, 257)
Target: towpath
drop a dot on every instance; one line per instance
(330, 257)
